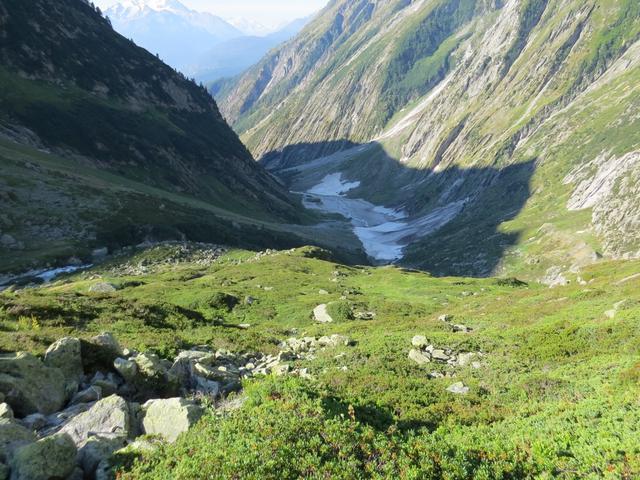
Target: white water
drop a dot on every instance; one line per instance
(45, 275)
(384, 232)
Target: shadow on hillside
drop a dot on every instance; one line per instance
(471, 244)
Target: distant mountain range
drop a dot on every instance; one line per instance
(199, 44)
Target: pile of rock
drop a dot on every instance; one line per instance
(424, 353)
(168, 253)
(66, 415)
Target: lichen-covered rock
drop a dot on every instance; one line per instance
(66, 354)
(29, 386)
(421, 358)
(127, 369)
(98, 448)
(11, 436)
(419, 341)
(458, 388)
(49, 458)
(321, 315)
(108, 416)
(153, 377)
(169, 418)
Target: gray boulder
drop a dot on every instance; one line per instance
(6, 413)
(108, 416)
(169, 418)
(127, 369)
(11, 436)
(97, 449)
(66, 354)
(321, 315)
(419, 341)
(421, 358)
(102, 288)
(49, 458)
(153, 377)
(458, 389)
(107, 341)
(29, 386)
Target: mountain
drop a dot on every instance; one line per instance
(501, 136)
(103, 145)
(230, 58)
(171, 30)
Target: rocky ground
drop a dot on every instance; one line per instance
(66, 415)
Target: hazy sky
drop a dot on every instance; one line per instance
(263, 11)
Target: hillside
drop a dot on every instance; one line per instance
(500, 135)
(415, 377)
(103, 145)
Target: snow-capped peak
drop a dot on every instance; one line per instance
(129, 9)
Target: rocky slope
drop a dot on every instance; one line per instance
(103, 144)
(511, 114)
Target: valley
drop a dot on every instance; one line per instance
(404, 244)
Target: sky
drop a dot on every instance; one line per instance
(267, 12)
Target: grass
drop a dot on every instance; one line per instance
(556, 396)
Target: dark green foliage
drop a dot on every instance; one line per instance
(222, 301)
(340, 311)
(510, 282)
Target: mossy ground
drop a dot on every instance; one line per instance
(556, 396)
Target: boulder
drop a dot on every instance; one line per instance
(29, 386)
(66, 354)
(421, 358)
(206, 387)
(419, 341)
(108, 416)
(128, 369)
(458, 389)
(439, 355)
(6, 412)
(107, 341)
(13, 435)
(321, 315)
(153, 377)
(97, 449)
(169, 418)
(461, 328)
(102, 288)
(49, 458)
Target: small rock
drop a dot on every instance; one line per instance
(321, 315)
(51, 457)
(419, 341)
(102, 288)
(88, 395)
(249, 300)
(461, 328)
(244, 326)
(465, 358)
(439, 355)
(107, 387)
(206, 387)
(458, 389)
(445, 318)
(169, 418)
(421, 358)
(35, 421)
(6, 411)
(323, 292)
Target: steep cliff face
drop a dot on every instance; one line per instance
(490, 105)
